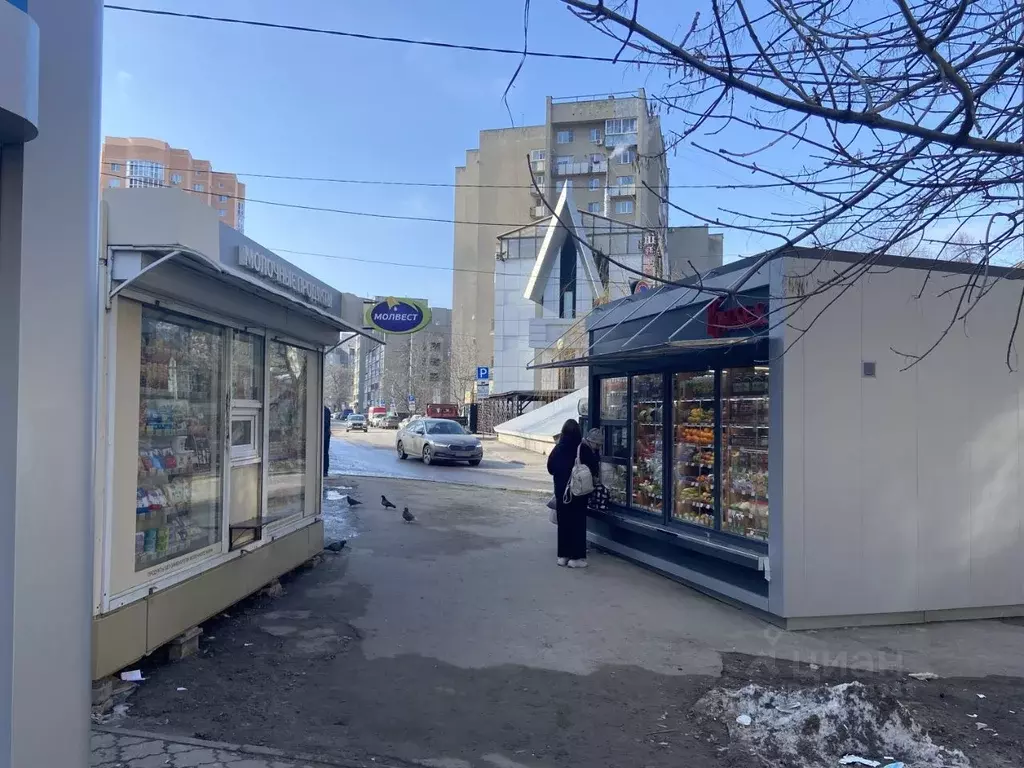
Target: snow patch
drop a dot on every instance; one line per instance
(815, 727)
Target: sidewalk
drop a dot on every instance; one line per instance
(123, 748)
(457, 642)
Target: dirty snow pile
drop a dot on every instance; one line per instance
(818, 727)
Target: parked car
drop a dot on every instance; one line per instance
(391, 421)
(355, 422)
(408, 420)
(375, 414)
(438, 440)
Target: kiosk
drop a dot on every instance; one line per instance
(209, 433)
(838, 444)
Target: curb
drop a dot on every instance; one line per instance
(310, 760)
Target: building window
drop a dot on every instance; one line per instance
(175, 178)
(145, 173)
(220, 185)
(223, 198)
(564, 137)
(537, 154)
(594, 183)
(221, 212)
(626, 157)
(240, 217)
(114, 183)
(620, 125)
(623, 180)
(595, 135)
(597, 159)
(198, 187)
(115, 166)
(540, 179)
(623, 206)
(593, 207)
(562, 162)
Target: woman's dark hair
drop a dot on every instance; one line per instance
(571, 433)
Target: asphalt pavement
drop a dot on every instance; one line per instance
(373, 454)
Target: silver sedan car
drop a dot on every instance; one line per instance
(436, 440)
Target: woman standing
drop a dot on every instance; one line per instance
(572, 516)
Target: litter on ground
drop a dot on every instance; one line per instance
(857, 760)
(825, 725)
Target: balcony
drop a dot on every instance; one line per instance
(599, 167)
(622, 190)
(572, 169)
(538, 165)
(539, 211)
(620, 140)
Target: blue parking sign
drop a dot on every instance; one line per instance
(483, 373)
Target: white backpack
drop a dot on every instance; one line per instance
(581, 480)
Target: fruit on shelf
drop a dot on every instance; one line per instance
(700, 415)
(698, 436)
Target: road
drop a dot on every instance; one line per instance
(373, 454)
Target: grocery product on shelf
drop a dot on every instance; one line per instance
(177, 507)
(694, 456)
(648, 442)
(745, 421)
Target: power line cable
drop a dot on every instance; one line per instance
(437, 267)
(378, 38)
(366, 214)
(628, 227)
(431, 184)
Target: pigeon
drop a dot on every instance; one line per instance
(385, 503)
(353, 502)
(408, 516)
(336, 546)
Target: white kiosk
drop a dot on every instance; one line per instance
(210, 428)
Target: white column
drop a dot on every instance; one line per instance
(51, 350)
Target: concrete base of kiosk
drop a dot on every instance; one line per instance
(124, 636)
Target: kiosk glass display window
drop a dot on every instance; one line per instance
(694, 416)
(180, 467)
(287, 425)
(648, 400)
(745, 452)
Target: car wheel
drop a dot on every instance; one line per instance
(474, 462)
(401, 451)
(428, 455)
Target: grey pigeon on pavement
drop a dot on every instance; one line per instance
(336, 546)
(353, 502)
(408, 516)
(385, 503)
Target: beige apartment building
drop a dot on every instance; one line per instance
(137, 162)
(608, 148)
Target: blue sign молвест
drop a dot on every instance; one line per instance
(398, 315)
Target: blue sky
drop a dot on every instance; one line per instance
(276, 102)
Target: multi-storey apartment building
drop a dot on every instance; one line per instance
(611, 149)
(137, 162)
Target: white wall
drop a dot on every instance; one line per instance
(49, 302)
(512, 316)
(901, 492)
